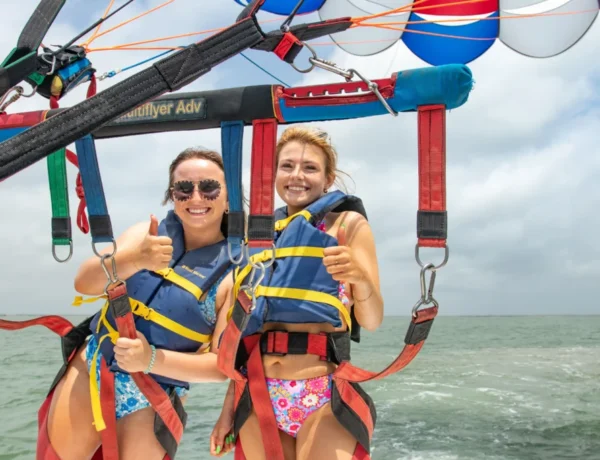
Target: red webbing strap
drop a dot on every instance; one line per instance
(346, 372)
(285, 45)
(351, 373)
(262, 184)
(56, 324)
(44, 449)
(432, 219)
(278, 343)
(82, 220)
(231, 337)
(261, 401)
(354, 400)
(238, 453)
(110, 445)
(157, 397)
(360, 453)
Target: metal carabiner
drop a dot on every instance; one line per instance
(114, 277)
(426, 291)
(252, 284)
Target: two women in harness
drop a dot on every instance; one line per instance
(178, 277)
(324, 281)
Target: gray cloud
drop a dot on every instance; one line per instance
(523, 168)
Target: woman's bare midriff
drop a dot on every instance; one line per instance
(297, 367)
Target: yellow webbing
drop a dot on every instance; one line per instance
(139, 309)
(290, 293)
(170, 275)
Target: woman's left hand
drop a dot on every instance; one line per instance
(340, 261)
(133, 355)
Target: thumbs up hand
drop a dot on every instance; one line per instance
(155, 251)
(340, 261)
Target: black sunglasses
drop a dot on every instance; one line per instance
(209, 189)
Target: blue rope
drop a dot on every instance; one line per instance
(265, 70)
(112, 73)
(147, 60)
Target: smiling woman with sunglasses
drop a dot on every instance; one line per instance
(177, 271)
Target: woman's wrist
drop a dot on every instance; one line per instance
(363, 290)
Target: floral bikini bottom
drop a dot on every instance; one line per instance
(294, 400)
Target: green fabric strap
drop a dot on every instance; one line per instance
(59, 195)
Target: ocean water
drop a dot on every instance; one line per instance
(482, 388)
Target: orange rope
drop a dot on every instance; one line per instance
(357, 22)
(154, 40)
(108, 8)
(152, 10)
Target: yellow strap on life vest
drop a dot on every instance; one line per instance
(139, 309)
(79, 300)
(290, 293)
(280, 253)
(170, 275)
(296, 251)
(306, 295)
(283, 223)
(113, 335)
(94, 390)
(150, 314)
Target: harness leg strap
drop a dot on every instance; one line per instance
(173, 419)
(261, 402)
(110, 446)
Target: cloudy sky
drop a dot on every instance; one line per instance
(522, 155)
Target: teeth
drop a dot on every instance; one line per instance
(297, 189)
(198, 211)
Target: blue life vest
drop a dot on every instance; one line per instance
(296, 288)
(173, 293)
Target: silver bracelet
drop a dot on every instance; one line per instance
(152, 358)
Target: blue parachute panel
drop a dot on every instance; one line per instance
(437, 47)
(284, 7)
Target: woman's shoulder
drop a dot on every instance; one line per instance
(347, 218)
